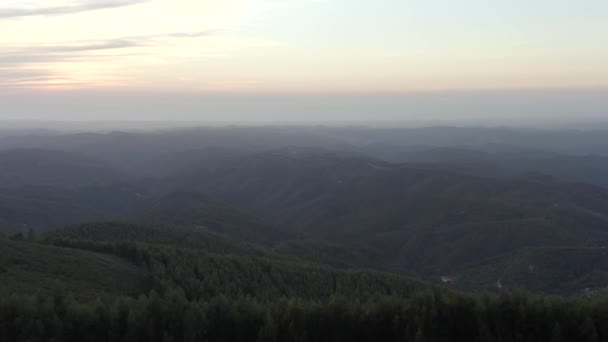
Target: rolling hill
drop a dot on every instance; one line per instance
(41, 208)
(455, 212)
(242, 235)
(41, 167)
(28, 267)
(413, 220)
(206, 264)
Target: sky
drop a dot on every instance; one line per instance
(238, 59)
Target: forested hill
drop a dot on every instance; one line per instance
(121, 282)
(303, 234)
(410, 219)
(52, 168)
(350, 211)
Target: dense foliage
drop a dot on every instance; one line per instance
(194, 294)
(426, 316)
(200, 274)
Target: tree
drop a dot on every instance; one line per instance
(269, 331)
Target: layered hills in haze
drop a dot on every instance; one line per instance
(497, 211)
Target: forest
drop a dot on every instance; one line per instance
(424, 316)
(189, 295)
(303, 234)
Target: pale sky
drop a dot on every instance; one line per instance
(300, 46)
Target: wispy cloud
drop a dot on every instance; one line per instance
(79, 62)
(66, 9)
(21, 74)
(34, 66)
(151, 43)
(100, 45)
(42, 51)
(95, 46)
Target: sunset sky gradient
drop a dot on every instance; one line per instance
(302, 46)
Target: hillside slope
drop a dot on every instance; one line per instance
(43, 167)
(28, 267)
(418, 221)
(205, 265)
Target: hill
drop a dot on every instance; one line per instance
(316, 194)
(28, 267)
(194, 209)
(506, 163)
(412, 219)
(561, 270)
(206, 264)
(200, 295)
(40, 167)
(339, 209)
(178, 236)
(41, 208)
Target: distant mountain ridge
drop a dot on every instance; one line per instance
(44, 167)
(479, 213)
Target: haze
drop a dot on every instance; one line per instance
(302, 60)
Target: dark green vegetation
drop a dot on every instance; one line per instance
(304, 234)
(205, 264)
(414, 220)
(144, 283)
(421, 317)
(27, 267)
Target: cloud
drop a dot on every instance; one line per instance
(95, 46)
(191, 34)
(21, 74)
(25, 78)
(23, 66)
(6, 13)
(42, 52)
(28, 55)
(149, 44)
